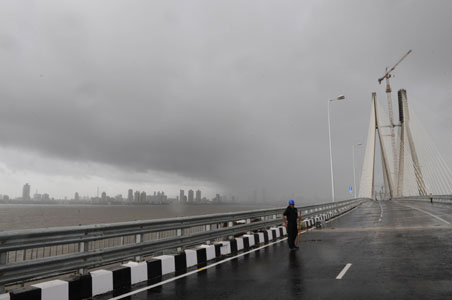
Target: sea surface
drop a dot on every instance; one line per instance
(27, 216)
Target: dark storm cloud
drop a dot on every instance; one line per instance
(230, 92)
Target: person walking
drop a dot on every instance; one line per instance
(292, 222)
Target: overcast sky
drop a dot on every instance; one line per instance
(224, 96)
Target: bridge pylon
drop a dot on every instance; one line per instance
(399, 157)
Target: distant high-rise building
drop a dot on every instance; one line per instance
(76, 196)
(104, 197)
(143, 197)
(26, 192)
(198, 196)
(130, 195)
(37, 197)
(217, 198)
(191, 196)
(45, 197)
(182, 196)
(137, 196)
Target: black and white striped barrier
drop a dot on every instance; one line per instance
(114, 279)
(138, 271)
(124, 276)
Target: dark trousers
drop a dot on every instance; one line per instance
(292, 232)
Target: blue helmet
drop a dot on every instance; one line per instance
(291, 202)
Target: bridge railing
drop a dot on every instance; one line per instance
(40, 253)
(435, 198)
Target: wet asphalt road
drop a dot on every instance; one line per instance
(397, 250)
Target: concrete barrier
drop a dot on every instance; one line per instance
(53, 290)
(5, 297)
(80, 287)
(246, 243)
(284, 230)
(266, 237)
(259, 238)
(180, 262)
(276, 233)
(138, 271)
(168, 264)
(154, 269)
(201, 254)
(270, 235)
(121, 277)
(26, 293)
(233, 244)
(102, 282)
(210, 251)
(218, 250)
(192, 259)
(239, 242)
(225, 247)
(251, 240)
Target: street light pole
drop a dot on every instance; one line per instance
(341, 97)
(354, 171)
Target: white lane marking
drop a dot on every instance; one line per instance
(194, 271)
(212, 265)
(344, 270)
(426, 212)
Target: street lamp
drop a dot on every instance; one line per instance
(340, 97)
(354, 176)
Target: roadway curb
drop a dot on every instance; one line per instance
(123, 277)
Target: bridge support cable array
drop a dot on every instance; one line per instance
(414, 167)
(411, 164)
(366, 186)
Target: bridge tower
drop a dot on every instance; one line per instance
(405, 133)
(399, 157)
(394, 159)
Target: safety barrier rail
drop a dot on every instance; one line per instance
(435, 198)
(40, 253)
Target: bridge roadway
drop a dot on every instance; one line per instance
(397, 250)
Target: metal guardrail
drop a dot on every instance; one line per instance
(39, 253)
(436, 198)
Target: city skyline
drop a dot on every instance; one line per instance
(131, 196)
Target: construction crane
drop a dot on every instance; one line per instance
(386, 76)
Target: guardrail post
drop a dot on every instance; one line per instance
(138, 239)
(230, 224)
(83, 247)
(2, 263)
(248, 221)
(207, 227)
(179, 232)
